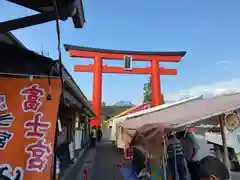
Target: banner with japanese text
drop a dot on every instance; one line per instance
(27, 127)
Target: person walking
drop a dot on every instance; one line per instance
(176, 158)
(93, 137)
(99, 134)
(190, 149)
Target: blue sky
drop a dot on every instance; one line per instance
(207, 30)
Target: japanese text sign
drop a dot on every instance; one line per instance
(27, 127)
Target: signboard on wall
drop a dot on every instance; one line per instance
(71, 151)
(78, 139)
(27, 127)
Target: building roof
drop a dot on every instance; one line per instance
(9, 38)
(46, 12)
(78, 92)
(14, 53)
(71, 8)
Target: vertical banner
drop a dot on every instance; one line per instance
(27, 127)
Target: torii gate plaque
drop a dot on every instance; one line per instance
(98, 68)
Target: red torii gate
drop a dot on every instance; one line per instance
(98, 68)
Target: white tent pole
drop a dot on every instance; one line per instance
(224, 142)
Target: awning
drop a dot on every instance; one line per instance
(174, 117)
(123, 136)
(186, 114)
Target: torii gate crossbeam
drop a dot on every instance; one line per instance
(98, 68)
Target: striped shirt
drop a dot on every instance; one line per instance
(174, 143)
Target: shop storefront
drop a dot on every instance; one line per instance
(74, 110)
(74, 125)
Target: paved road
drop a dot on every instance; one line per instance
(103, 166)
(100, 161)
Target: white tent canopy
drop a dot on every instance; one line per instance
(116, 121)
(186, 113)
(177, 116)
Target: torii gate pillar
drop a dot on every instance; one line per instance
(97, 89)
(156, 89)
(98, 68)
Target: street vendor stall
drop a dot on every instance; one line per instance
(116, 122)
(147, 131)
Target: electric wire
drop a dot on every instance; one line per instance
(59, 42)
(61, 78)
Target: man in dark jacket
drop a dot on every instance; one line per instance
(99, 134)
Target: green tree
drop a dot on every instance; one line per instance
(104, 104)
(147, 92)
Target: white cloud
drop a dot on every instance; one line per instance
(223, 62)
(210, 90)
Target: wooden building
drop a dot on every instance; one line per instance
(75, 110)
